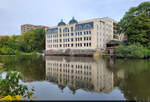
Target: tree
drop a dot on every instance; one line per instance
(139, 30)
(4, 41)
(143, 8)
(34, 40)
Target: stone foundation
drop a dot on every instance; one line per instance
(70, 52)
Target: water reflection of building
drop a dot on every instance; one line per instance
(79, 73)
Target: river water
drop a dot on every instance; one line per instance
(82, 78)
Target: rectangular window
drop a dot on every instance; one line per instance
(60, 30)
(81, 39)
(87, 32)
(71, 39)
(80, 33)
(76, 39)
(72, 29)
(71, 34)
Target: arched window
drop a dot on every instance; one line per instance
(87, 26)
(79, 27)
(66, 30)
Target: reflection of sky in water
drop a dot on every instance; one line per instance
(106, 80)
(96, 83)
(48, 91)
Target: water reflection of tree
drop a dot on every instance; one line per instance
(31, 67)
(135, 84)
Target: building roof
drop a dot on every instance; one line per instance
(72, 21)
(115, 41)
(61, 23)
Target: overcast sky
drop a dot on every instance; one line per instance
(14, 13)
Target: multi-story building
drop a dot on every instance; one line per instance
(28, 27)
(90, 34)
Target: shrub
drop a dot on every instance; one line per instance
(133, 51)
(7, 51)
(10, 86)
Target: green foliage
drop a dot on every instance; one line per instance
(136, 24)
(6, 50)
(10, 86)
(28, 44)
(133, 51)
(139, 30)
(34, 40)
(143, 8)
(4, 41)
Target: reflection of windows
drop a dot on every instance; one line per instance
(89, 38)
(71, 45)
(89, 44)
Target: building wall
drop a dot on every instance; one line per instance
(98, 36)
(28, 27)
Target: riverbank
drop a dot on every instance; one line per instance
(23, 53)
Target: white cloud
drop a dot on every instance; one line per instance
(13, 13)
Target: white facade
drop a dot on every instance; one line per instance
(89, 34)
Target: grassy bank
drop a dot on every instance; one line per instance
(21, 53)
